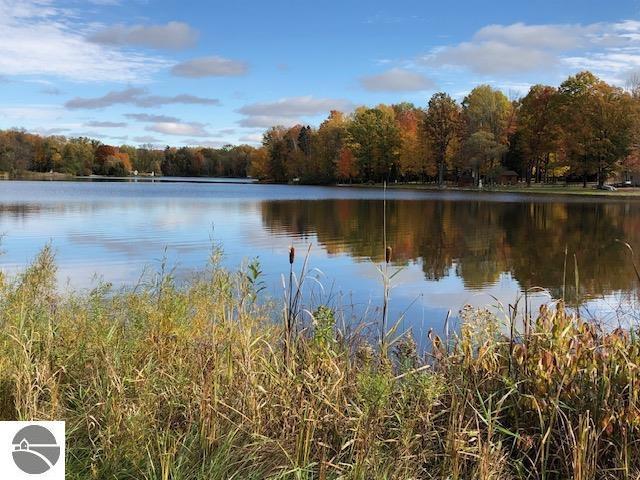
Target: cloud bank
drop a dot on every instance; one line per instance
(606, 48)
(172, 36)
(192, 129)
(41, 39)
(289, 111)
(137, 96)
(397, 80)
(210, 67)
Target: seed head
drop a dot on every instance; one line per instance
(292, 254)
(387, 257)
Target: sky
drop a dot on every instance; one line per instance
(211, 73)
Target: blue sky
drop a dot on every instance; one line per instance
(210, 73)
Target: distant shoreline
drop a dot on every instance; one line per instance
(590, 191)
(56, 176)
(558, 189)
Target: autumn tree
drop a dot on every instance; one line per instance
(48, 154)
(77, 157)
(275, 144)
(538, 130)
(411, 149)
(631, 164)
(236, 161)
(295, 161)
(149, 160)
(304, 140)
(597, 125)
(374, 139)
(482, 151)
(442, 126)
(488, 109)
(487, 114)
(346, 168)
(103, 154)
(17, 150)
(259, 163)
(329, 144)
(132, 153)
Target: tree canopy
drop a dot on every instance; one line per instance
(583, 130)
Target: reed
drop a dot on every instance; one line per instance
(191, 382)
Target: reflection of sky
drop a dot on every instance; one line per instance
(115, 230)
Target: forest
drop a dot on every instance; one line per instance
(584, 130)
(21, 151)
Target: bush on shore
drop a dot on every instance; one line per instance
(193, 382)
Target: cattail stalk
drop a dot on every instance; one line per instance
(385, 276)
(289, 319)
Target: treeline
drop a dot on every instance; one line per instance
(583, 130)
(21, 151)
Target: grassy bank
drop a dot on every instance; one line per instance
(28, 175)
(557, 189)
(195, 382)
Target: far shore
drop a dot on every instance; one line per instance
(521, 188)
(557, 189)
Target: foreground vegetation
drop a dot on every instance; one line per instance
(200, 382)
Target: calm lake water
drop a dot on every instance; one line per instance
(452, 248)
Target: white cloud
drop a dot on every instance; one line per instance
(609, 49)
(192, 142)
(210, 67)
(147, 139)
(97, 123)
(98, 134)
(289, 111)
(183, 98)
(128, 95)
(147, 117)
(137, 96)
(51, 131)
(50, 90)
(554, 37)
(39, 38)
(396, 80)
(266, 121)
(105, 2)
(251, 138)
(495, 57)
(192, 129)
(172, 36)
(30, 112)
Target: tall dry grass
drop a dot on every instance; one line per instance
(191, 382)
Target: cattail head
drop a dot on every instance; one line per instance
(292, 254)
(387, 256)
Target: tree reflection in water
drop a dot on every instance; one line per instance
(480, 239)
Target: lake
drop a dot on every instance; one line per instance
(452, 248)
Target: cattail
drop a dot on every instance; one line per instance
(387, 257)
(292, 254)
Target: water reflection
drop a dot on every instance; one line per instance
(454, 248)
(479, 240)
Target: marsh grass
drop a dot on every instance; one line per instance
(191, 382)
